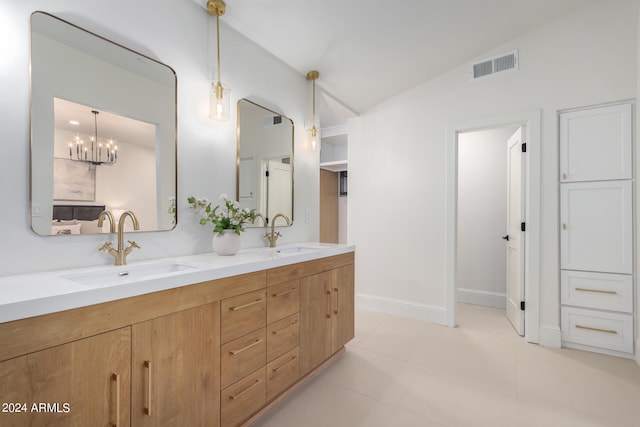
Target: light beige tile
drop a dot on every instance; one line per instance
(402, 373)
(371, 374)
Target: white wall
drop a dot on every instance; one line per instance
(397, 154)
(482, 217)
(180, 34)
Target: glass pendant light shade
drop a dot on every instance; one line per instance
(219, 102)
(312, 76)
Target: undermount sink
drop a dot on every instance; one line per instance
(115, 275)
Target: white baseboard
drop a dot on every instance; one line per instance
(402, 308)
(485, 298)
(551, 336)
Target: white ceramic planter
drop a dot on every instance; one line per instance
(226, 243)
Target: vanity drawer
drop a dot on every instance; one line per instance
(283, 300)
(242, 314)
(282, 336)
(612, 331)
(597, 290)
(241, 400)
(282, 373)
(241, 356)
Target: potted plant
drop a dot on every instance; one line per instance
(228, 222)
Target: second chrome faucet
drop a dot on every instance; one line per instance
(120, 254)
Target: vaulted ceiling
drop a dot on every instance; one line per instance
(369, 50)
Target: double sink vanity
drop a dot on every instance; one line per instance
(200, 340)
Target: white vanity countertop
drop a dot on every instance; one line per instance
(29, 295)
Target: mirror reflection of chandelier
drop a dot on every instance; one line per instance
(94, 151)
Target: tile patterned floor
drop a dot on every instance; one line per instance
(402, 373)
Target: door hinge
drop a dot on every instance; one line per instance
(523, 226)
(524, 147)
(266, 174)
(522, 305)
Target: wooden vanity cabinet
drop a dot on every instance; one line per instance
(327, 315)
(175, 361)
(213, 353)
(81, 383)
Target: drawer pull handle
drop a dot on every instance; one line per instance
(608, 331)
(237, 395)
(564, 176)
(116, 378)
(599, 291)
(147, 410)
(285, 364)
(249, 304)
(253, 344)
(285, 328)
(288, 291)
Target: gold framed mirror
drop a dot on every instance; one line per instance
(264, 161)
(90, 95)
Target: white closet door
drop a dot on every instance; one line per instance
(595, 144)
(596, 222)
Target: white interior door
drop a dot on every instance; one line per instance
(279, 201)
(515, 236)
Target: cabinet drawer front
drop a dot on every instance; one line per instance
(243, 314)
(241, 356)
(611, 331)
(597, 290)
(282, 336)
(282, 373)
(283, 300)
(242, 399)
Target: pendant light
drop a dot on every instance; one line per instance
(313, 76)
(219, 104)
(100, 154)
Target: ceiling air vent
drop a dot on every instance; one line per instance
(497, 64)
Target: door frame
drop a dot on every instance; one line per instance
(532, 136)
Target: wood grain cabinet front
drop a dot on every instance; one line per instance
(242, 356)
(244, 398)
(282, 336)
(81, 383)
(282, 373)
(175, 362)
(243, 314)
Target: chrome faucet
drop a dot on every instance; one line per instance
(121, 253)
(273, 236)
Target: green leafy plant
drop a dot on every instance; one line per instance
(230, 217)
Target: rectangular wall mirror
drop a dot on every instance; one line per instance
(103, 132)
(264, 161)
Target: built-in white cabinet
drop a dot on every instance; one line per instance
(596, 229)
(595, 144)
(596, 221)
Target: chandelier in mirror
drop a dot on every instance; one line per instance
(93, 150)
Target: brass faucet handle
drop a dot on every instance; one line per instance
(105, 247)
(133, 244)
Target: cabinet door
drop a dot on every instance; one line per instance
(596, 224)
(342, 295)
(315, 320)
(176, 359)
(595, 144)
(83, 383)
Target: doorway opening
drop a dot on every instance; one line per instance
(459, 223)
(489, 254)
